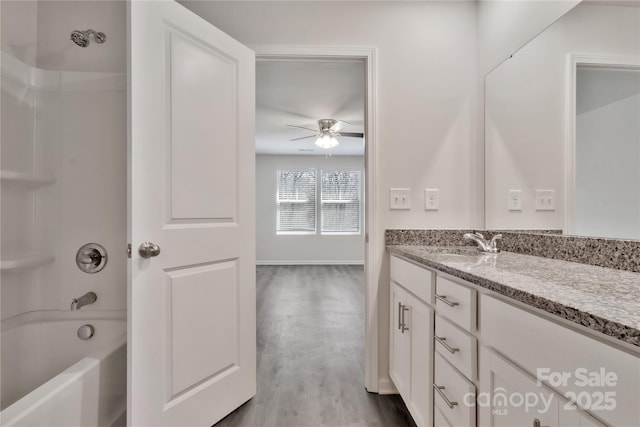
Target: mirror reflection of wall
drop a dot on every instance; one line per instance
(526, 120)
(607, 175)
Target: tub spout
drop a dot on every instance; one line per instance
(86, 299)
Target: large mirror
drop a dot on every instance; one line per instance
(562, 127)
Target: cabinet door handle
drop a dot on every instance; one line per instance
(442, 340)
(444, 299)
(400, 315)
(439, 389)
(537, 423)
(404, 325)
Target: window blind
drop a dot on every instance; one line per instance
(340, 202)
(296, 200)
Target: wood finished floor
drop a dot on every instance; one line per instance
(310, 326)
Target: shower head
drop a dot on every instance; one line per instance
(81, 38)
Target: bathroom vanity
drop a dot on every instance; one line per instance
(513, 340)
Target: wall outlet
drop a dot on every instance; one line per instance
(399, 198)
(515, 200)
(431, 199)
(545, 200)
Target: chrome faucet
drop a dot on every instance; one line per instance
(86, 299)
(489, 246)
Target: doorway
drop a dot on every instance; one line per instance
(370, 232)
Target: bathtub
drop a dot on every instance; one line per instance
(50, 377)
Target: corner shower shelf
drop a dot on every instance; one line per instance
(27, 181)
(25, 263)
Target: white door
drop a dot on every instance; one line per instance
(192, 333)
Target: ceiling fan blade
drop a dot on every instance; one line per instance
(302, 127)
(338, 125)
(352, 134)
(303, 137)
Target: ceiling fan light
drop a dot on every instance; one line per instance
(326, 141)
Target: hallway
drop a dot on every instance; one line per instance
(310, 333)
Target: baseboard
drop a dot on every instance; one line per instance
(386, 386)
(309, 262)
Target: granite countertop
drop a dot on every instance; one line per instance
(603, 299)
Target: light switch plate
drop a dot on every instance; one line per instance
(515, 200)
(545, 200)
(431, 199)
(399, 198)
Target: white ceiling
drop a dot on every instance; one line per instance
(302, 92)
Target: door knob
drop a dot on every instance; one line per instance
(148, 249)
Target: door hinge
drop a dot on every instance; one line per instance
(128, 250)
(366, 237)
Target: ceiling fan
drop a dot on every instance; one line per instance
(327, 133)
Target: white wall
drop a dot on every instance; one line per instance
(426, 116)
(19, 23)
(37, 33)
(607, 153)
(84, 150)
(426, 86)
(301, 249)
(56, 20)
(506, 26)
(525, 111)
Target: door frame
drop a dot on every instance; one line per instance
(573, 62)
(373, 257)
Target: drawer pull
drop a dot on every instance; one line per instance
(400, 315)
(442, 340)
(537, 423)
(439, 389)
(444, 299)
(404, 325)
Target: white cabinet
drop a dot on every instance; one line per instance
(421, 397)
(400, 355)
(439, 419)
(514, 399)
(456, 302)
(458, 347)
(517, 399)
(411, 339)
(518, 345)
(455, 395)
(461, 356)
(456, 357)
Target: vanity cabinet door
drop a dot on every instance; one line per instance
(400, 345)
(411, 353)
(514, 399)
(421, 330)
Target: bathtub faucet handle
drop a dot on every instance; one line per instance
(86, 299)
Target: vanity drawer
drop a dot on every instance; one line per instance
(458, 347)
(439, 420)
(449, 385)
(417, 280)
(456, 302)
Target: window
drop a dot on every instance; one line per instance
(340, 202)
(296, 200)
